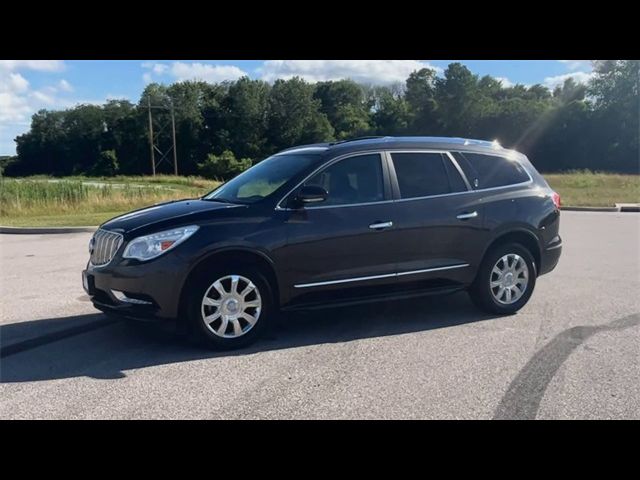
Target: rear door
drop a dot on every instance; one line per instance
(439, 217)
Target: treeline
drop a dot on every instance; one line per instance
(223, 128)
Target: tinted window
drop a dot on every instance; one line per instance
(421, 174)
(262, 179)
(456, 183)
(488, 171)
(352, 180)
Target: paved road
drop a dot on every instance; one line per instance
(572, 352)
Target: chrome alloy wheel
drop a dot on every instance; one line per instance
(509, 278)
(231, 306)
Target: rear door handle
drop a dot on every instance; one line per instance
(466, 216)
(380, 225)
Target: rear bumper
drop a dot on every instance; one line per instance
(550, 256)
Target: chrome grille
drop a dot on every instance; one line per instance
(105, 246)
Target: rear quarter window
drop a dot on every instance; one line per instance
(490, 171)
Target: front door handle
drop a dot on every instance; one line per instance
(380, 225)
(466, 216)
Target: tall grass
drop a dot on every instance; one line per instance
(36, 197)
(161, 180)
(595, 189)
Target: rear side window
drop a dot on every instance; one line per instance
(425, 174)
(489, 171)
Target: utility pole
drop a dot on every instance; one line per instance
(173, 134)
(153, 159)
(155, 140)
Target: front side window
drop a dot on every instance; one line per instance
(425, 174)
(353, 180)
(490, 171)
(262, 179)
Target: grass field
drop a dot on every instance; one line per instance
(73, 201)
(587, 189)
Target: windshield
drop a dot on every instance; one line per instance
(262, 179)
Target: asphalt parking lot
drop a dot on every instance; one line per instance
(572, 352)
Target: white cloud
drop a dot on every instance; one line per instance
(15, 83)
(18, 100)
(38, 65)
(578, 77)
(13, 108)
(181, 71)
(42, 97)
(65, 86)
(577, 64)
(506, 83)
(160, 68)
(206, 72)
(364, 71)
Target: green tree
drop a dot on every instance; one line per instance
(457, 96)
(615, 92)
(578, 126)
(125, 132)
(223, 167)
(391, 112)
(343, 103)
(420, 95)
(570, 91)
(106, 165)
(245, 109)
(294, 116)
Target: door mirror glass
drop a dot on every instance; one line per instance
(311, 194)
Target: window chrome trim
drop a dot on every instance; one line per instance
(389, 152)
(375, 277)
(459, 169)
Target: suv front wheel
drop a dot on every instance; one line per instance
(505, 280)
(229, 308)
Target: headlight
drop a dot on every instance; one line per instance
(152, 246)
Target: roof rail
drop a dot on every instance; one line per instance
(356, 139)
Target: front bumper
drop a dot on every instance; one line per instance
(148, 291)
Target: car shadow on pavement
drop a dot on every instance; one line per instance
(117, 347)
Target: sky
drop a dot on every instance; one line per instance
(27, 86)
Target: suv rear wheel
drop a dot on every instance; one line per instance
(505, 280)
(229, 308)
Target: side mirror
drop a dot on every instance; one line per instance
(311, 194)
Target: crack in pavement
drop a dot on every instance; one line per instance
(522, 398)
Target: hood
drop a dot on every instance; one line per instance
(180, 212)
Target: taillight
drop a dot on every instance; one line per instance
(556, 199)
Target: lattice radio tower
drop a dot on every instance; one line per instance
(154, 138)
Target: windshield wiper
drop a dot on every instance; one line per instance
(225, 200)
(218, 199)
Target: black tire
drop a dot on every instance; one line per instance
(198, 328)
(480, 291)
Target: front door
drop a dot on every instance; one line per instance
(346, 241)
